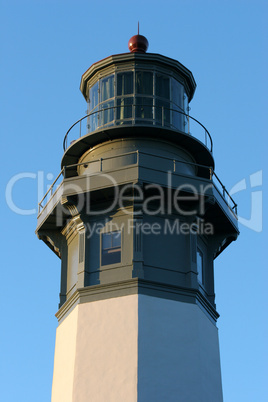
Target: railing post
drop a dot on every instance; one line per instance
(138, 157)
(100, 164)
(174, 165)
(64, 172)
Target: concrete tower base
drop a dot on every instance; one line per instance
(137, 348)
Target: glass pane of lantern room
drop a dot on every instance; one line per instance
(107, 88)
(93, 121)
(125, 83)
(93, 96)
(177, 105)
(162, 112)
(186, 110)
(124, 108)
(177, 94)
(177, 118)
(107, 112)
(144, 108)
(144, 83)
(162, 88)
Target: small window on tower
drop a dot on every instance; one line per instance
(111, 248)
(199, 262)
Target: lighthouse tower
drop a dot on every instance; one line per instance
(137, 216)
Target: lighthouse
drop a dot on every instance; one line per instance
(137, 216)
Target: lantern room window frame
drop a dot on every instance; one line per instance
(137, 96)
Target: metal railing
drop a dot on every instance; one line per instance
(160, 117)
(51, 191)
(100, 161)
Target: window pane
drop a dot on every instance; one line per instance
(93, 96)
(125, 83)
(144, 83)
(177, 93)
(116, 239)
(111, 248)
(106, 240)
(144, 109)
(186, 110)
(162, 112)
(177, 118)
(111, 257)
(107, 114)
(162, 86)
(185, 102)
(124, 108)
(93, 122)
(107, 88)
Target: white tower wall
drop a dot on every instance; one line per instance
(142, 349)
(102, 336)
(178, 353)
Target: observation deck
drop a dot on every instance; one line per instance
(80, 136)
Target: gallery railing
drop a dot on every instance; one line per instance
(158, 116)
(99, 166)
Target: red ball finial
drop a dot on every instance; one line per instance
(138, 43)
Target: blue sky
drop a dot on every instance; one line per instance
(45, 48)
